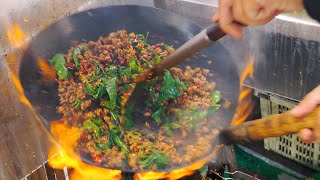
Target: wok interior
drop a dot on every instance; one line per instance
(90, 25)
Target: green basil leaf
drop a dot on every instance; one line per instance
(114, 115)
(128, 119)
(98, 133)
(156, 59)
(77, 103)
(158, 159)
(147, 62)
(126, 86)
(99, 92)
(97, 69)
(175, 125)
(111, 89)
(125, 72)
(215, 97)
(111, 72)
(133, 65)
(159, 115)
(88, 89)
(85, 48)
(170, 88)
(75, 53)
(139, 67)
(141, 37)
(116, 139)
(168, 129)
(193, 115)
(94, 78)
(91, 126)
(58, 62)
(97, 121)
(102, 146)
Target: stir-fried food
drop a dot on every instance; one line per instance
(94, 81)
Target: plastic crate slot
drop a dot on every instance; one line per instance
(289, 146)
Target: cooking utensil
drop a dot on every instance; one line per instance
(271, 126)
(202, 40)
(171, 29)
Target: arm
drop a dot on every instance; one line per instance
(258, 12)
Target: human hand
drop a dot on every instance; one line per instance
(251, 12)
(308, 104)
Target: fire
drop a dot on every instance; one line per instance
(187, 171)
(149, 175)
(16, 36)
(178, 173)
(175, 174)
(16, 83)
(48, 72)
(65, 156)
(62, 155)
(245, 105)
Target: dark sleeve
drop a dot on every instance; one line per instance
(313, 8)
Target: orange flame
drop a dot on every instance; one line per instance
(16, 83)
(48, 72)
(245, 106)
(66, 157)
(63, 155)
(177, 173)
(16, 36)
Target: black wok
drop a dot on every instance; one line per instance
(163, 26)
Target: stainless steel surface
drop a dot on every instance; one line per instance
(284, 65)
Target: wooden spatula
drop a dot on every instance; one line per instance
(271, 126)
(199, 42)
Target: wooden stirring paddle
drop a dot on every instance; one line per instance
(271, 126)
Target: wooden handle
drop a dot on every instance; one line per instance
(196, 44)
(271, 126)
